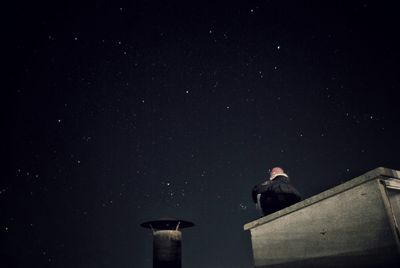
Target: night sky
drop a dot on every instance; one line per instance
(128, 112)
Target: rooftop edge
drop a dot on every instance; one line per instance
(370, 175)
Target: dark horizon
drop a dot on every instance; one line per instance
(133, 111)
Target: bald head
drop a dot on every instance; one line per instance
(277, 171)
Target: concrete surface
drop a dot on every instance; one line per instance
(351, 225)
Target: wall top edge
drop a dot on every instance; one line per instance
(380, 172)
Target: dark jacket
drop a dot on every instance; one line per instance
(275, 195)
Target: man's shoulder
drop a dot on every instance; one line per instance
(262, 185)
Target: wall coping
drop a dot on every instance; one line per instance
(370, 175)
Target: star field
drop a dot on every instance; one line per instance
(140, 110)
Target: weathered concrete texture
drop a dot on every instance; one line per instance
(350, 225)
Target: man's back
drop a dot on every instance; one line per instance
(276, 194)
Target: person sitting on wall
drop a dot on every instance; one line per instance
(276, 193)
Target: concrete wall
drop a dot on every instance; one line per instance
(349, 225)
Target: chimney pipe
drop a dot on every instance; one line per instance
(167, 241)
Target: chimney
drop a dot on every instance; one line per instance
(167, 241)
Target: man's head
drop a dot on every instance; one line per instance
(277, 171)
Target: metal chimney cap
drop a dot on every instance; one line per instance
(167, 224)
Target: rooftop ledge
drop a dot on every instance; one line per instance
(370, 175)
